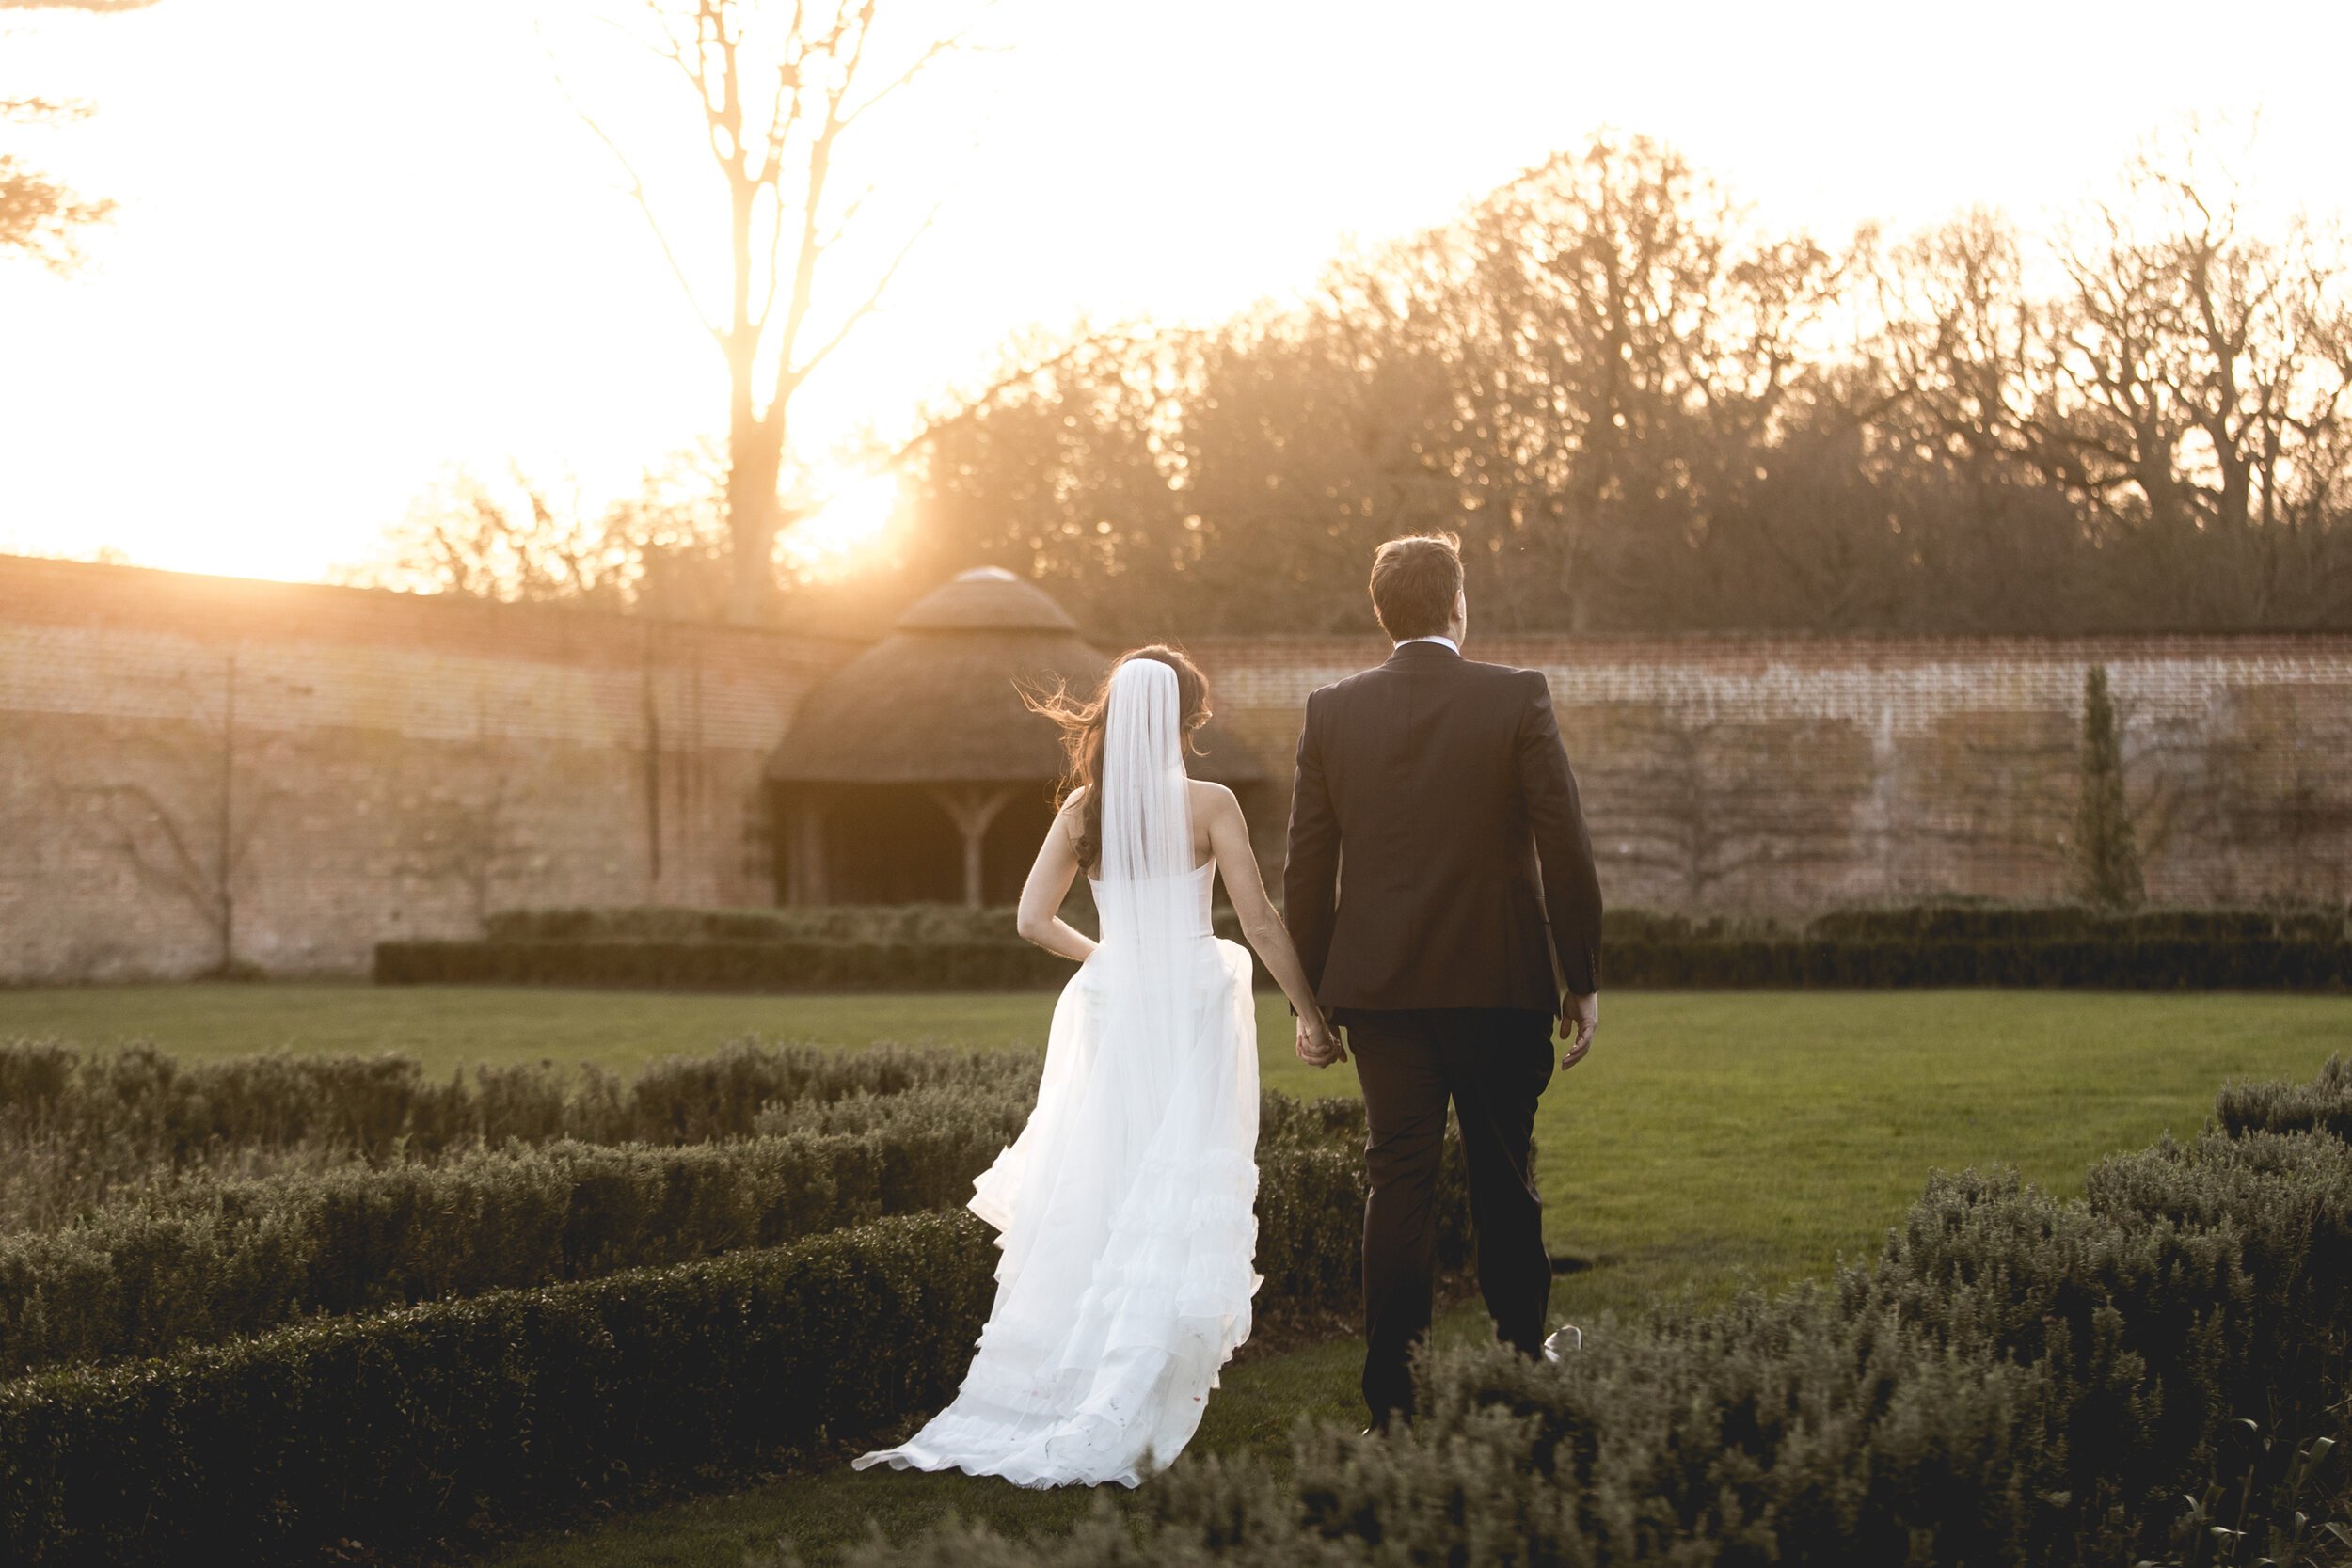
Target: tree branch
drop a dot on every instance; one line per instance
(637, 193)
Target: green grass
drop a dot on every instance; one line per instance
(1713, 1140)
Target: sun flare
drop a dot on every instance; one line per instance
(856, 511)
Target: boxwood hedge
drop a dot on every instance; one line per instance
(392, 1429)
(140, 1103)
(219, 1258)
(928, 948)
(398, 1430)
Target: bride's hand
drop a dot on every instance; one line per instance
(1319, 1044)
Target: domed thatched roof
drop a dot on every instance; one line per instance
(938, 701)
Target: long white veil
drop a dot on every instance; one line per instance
(1145, 893)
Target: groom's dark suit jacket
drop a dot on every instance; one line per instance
(1437, 853)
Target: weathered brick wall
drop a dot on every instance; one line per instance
(397, 766)
(1785, 774)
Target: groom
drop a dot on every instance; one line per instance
(1436, 790)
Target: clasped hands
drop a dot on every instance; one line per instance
(1319, 1043)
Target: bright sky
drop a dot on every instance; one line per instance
(359, 242)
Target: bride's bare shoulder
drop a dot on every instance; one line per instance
(1212, 798)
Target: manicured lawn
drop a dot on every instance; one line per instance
(1713, 1139)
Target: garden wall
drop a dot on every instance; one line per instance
(395, 765)
(1784, 774)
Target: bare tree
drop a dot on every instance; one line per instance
(663, 551)
(1634, 330)
(2208, 369)
(778, 86)
(1705, 803)
(469, 837)
(186, 830)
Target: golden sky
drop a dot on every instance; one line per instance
(359, 243)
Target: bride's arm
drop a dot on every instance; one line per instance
(1237, 862)
(1042, 896)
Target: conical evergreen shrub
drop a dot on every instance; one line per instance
(2106, 853)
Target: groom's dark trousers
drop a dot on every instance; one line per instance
(1436, 792)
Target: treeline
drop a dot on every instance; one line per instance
(1642, 407)
(1645, 410)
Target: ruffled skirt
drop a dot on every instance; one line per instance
(1127, 1223)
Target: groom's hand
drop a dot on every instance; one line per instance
(1319, 1044)
(1580, 1020)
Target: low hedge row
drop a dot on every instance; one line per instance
(175, 1111)
(394, 1432)
(234, 1257)
(1004, 963)
(2016, 1379)
(2122, 963)
(1923, 945)
(1969, 921)
(1984, 920)
(230, 1258)
(669, 923)
(397, 1431)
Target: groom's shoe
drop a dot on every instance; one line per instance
(1565, 1339)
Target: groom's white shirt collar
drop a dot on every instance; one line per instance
(1446, 640)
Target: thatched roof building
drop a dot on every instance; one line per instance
(915, 772)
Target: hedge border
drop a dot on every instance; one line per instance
(402, 1429)
(2121, 962)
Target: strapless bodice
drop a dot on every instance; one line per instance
(1203, 880)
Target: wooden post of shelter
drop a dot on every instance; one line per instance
(971, 808)
(805, 822)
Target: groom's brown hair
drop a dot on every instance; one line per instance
(1414, 580)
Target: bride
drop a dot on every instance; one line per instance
(1125, 1206)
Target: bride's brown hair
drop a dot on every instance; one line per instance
(1082, 734)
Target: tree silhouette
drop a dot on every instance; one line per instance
(779, 89)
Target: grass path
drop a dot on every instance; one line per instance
(1714, 1139)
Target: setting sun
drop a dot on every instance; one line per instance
(857, 509)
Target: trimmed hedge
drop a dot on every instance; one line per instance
(400, 1431)
(2118, 964)
(174, 1112)
(1988, 944)
(797, 964)
(928, 947)
(2016, 1379)
(2030, 923)
(920, 924)
(239, 1258)
(222, 1259)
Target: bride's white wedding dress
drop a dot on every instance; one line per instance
(1126, 1205)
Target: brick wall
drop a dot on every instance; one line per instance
(1785, 774)
(398, 765)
